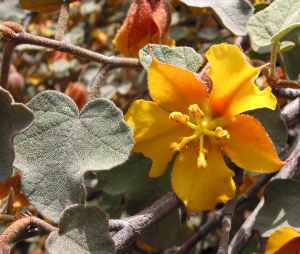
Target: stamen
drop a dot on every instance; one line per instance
(221, 133)
(177, 147)
(195, 111)
(179, 117)
(201, 160)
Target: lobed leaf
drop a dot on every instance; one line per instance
(16, 117)
(184, 57)
(82, 229)
(234, 13)
(62, 144)
(273, 23)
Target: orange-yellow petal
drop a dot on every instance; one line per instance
(174, 88)
(233, 78)
(284, 241)
(250, 146)
(201, 189)
(154, 133)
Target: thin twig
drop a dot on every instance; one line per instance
(287, 83)
(12, 233)
(62, 23)
(226, 227)
(114, 61)
(4, 218)
(290, 93)
(94, 90)
(21, 37)
(211, 224)
(291, 112)
(273, 58)
(117, 224)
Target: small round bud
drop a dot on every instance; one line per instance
(78, 92)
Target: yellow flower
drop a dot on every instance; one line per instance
(185, 117)
(284, 241)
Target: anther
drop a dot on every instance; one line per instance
(179, 117)
(195, 111)
(177, 147)
(221, 133)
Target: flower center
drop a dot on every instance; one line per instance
(202, 126)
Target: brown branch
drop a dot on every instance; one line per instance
(114, 61)
(226, 227)
(7, 218)
(129, 229)
(290, 93)
(8, 30)
(287, 83)
(290, 169)
(211, 224)
(138, 223)
(117, 224)
(14, 32)
(291, 112)
(13, 232)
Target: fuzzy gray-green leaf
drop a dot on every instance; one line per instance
(62, 144)
(15, 118)
(82, 230)
(184, 57)
(280, 208)
(233, 13)
(272, 21)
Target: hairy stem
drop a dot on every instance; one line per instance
(94, 88)
(6, 61)
(273, 58)
(62, 23)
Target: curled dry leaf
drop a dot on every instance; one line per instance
(12, 187)
(146, 22)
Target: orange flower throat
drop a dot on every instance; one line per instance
(202, 125)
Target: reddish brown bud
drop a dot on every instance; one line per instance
(78, 93)
(147, 21)
(15, 85)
